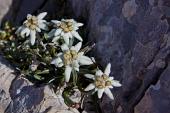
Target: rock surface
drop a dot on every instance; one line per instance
(131, 34)
(156, 99)
(4, 8)
(18, 95)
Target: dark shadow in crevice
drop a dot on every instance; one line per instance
(20, 8)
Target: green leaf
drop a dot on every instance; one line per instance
(38, 77)
(75, 76)
(45, 36)
(67, 100)
(43, 72)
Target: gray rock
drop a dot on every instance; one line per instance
(6, 78)
(132, 35)
(18, 95)
(16, 11)
(156, 98)
(4, 6)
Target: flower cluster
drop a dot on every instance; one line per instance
(102, 82)
(57, 46)
(66, 29)
(32, 25)
(71, 58)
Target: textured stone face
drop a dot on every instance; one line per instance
(156, 98)
(16, 11)
(6, 78)
(18, 95)
(131, 34)
(4, 7)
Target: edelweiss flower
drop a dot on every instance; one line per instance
(32, 25)
(102, 82)
(66, 29)
(71, 58)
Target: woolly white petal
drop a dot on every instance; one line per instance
(107, 69)
(84, 60)
(108, 93)
(66, 38)
(64, 47)
(28, 32)
(62, 33)
(77, 47)
(90, 76)
(42, 15)
(78, 24)
(32, 37)
(110, 78)
(116, 83)
(51, 33)
(59, 54)
(89, 87)
(25, 31)
(53, 61)
(110, 87)
(19, 30)
(43, 26)
(99, 73)
(42, 21)
(68, 73)
(80, 54)
(70, 35)
(96, 89)
(55, 21)
(75, 28)
(76, 65)
(55, 38)
(68, 20)
(60, 65)
(57, 62)
(38, 29)
(57, 32)
(29, 16)
(100, 92)
(76, 35)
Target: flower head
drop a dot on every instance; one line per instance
(71, 58)
(102, 82)
(32, 25)
(66, 29)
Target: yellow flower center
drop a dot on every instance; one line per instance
(66, 26)
(69, 56)
(32, 22)
(102, 81)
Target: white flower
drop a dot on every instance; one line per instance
(102, 82)
(32, 25)
(66, 29)
(71, 58)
